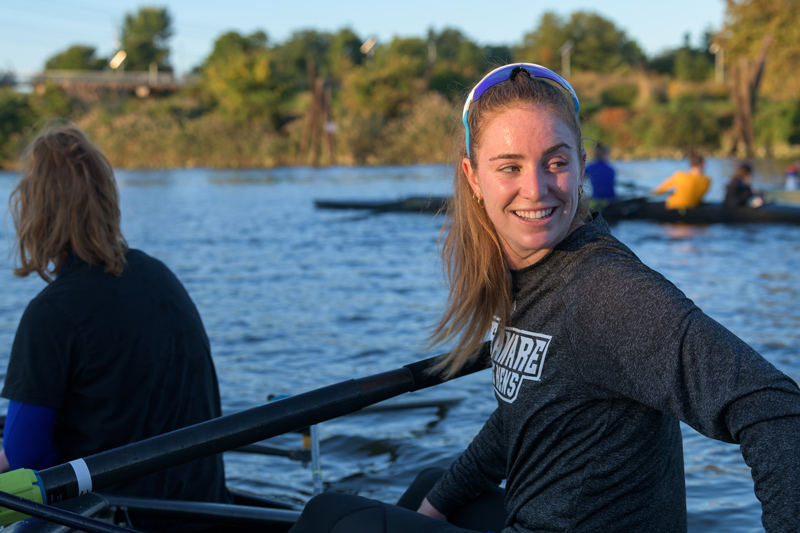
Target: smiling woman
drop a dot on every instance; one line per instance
(522, 144)
(595, 357)
(528, 171)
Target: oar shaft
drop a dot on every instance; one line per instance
(218, 435)
(232, 431)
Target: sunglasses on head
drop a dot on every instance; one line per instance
(507, 72)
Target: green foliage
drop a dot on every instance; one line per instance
(413, 49)
(451, 81)
(448, 43)
(77, 57)
(305, 50)
(778, 123)
(231, 44)
(157, 135)
(663, 63)
(686, 63)
(453, 47)
(16, 116)
(471, 55)
(692, 124)
(51, 102)
(385, 91)
(372, 98)
(240, 80)
(622, 94)
(15, 113)
(692, 65)
(401, 105)
(542, 44)
(597, 43)
(407, 140)
(747, 23)
(495, 55)
(144, 38)
(684, 123)
(344, 52)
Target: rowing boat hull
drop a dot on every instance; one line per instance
(248, 514)
(710, 213)
(633, 209)
(414, 204)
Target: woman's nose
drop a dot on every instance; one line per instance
(533, 185)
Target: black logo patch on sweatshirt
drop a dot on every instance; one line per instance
(516, 356)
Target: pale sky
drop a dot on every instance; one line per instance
(31, 31)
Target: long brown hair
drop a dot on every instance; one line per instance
(66, 204)
(474, 265)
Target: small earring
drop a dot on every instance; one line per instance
(478, 199)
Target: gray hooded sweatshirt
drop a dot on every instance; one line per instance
(601, 359)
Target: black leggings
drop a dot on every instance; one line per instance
(332, 512)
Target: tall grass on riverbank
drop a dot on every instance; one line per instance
(639, 116)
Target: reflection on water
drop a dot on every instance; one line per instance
(683, 232)
(295, 298)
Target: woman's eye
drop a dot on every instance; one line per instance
(509, 168)
(557, 164)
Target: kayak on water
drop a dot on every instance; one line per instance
(628, 209)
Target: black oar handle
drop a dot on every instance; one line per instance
(233, 431)
(58, 516)
(422, 378)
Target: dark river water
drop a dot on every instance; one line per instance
(296, 298)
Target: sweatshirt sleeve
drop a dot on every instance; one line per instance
(706, 185)
(28, 436)
(659, 349)
(481, 466)
(771, 447)
(664, 186)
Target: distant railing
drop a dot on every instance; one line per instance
(108, 77)
(140, 81)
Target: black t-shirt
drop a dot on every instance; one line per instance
(121, 358)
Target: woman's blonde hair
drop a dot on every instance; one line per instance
(66, 204)
(474, 264)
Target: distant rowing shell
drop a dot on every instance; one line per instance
(630, 209)
(707, 213)
(414, 204)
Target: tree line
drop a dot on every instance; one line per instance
(337, 97)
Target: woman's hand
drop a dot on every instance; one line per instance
(429, 510)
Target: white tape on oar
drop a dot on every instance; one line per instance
(82, 475)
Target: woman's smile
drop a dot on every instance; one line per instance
(539, 214)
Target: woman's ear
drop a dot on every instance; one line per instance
(472, 177)
(583, 161)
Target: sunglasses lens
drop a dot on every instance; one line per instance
(504, 73)
(492, 80)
